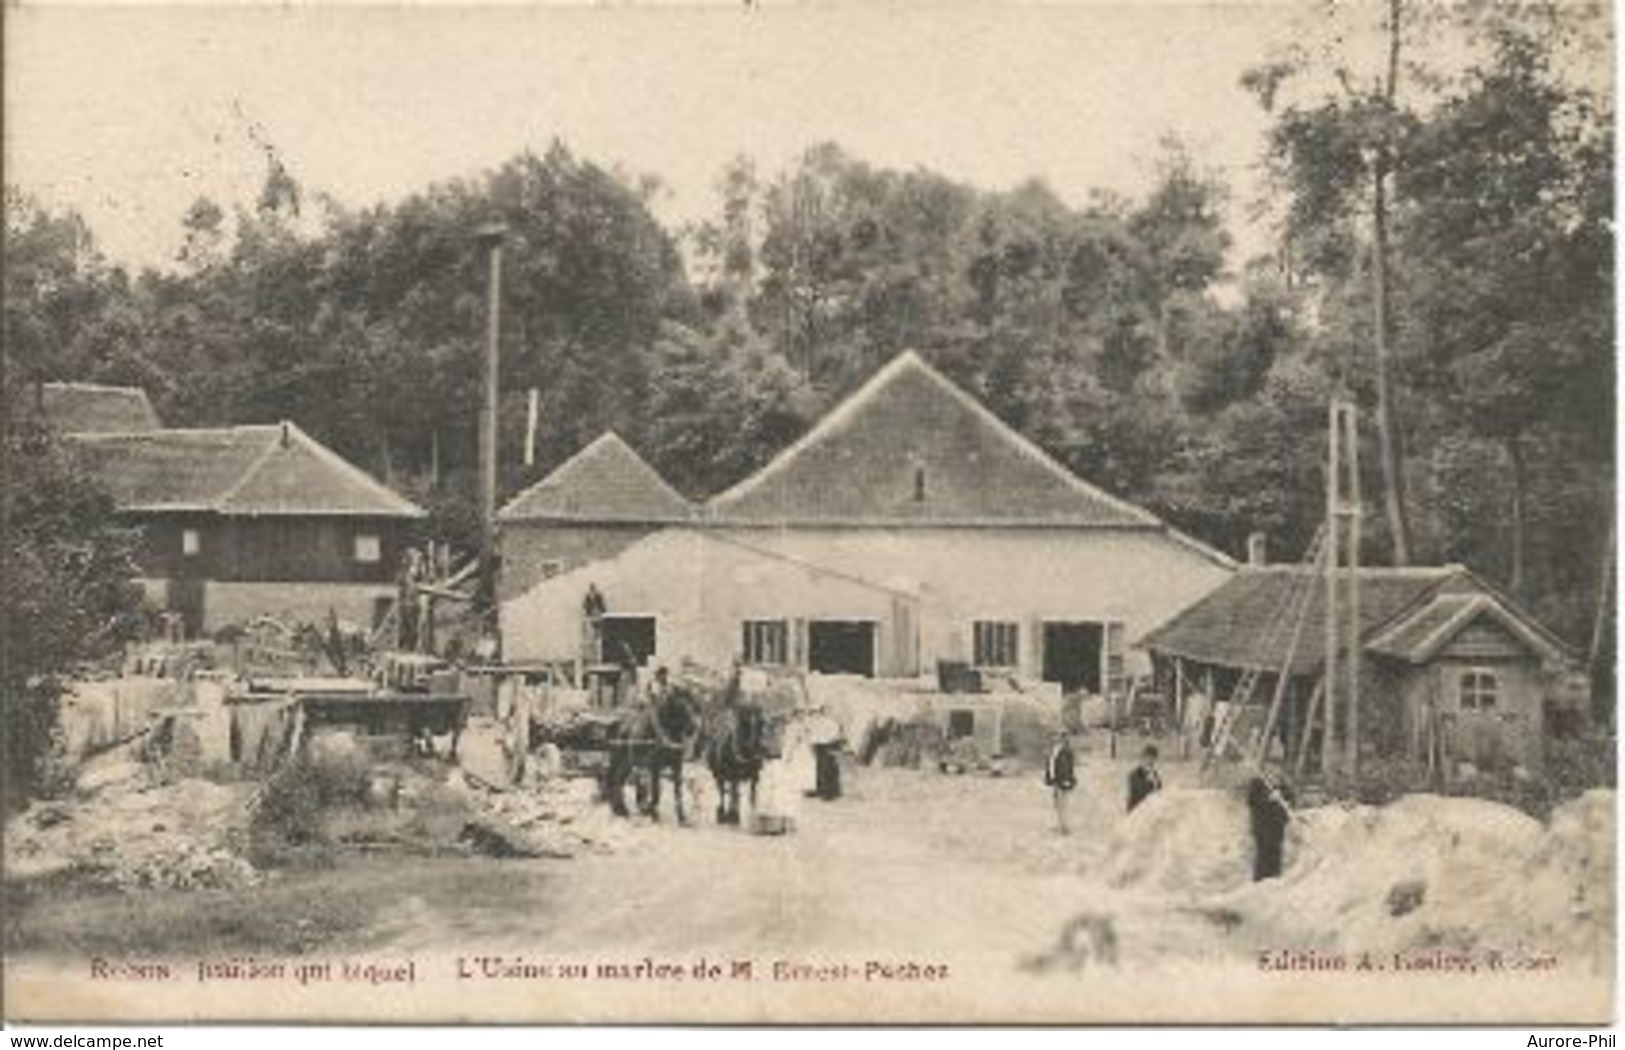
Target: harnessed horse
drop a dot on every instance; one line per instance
(656, 739)
(736, 744)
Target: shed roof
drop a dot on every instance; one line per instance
(607, 481)
(247, 470)
(1249, 620)
(90, 408)
(1418, 637)
(911, 447)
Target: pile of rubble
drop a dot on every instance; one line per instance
(1184, 841)
(1463, 873)
(1423, 871)
(123, 830)
(556, 817)
(137, 819)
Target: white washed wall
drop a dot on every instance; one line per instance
(700, 588)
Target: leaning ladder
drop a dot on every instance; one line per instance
(1294, 611)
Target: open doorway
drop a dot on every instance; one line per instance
(628, 639)
(841, 647)
(1072, 654)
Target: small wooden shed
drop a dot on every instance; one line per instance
(1451, 670)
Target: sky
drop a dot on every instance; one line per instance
(128, 114)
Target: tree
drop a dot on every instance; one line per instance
(67, 594)
(1511, 209)
(721, 404)
(1330, 152)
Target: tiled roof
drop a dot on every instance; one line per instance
(88, 408)
(248, 470)
(605, 482)
(911, 447)
(1249, 620)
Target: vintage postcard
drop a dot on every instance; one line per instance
(1084, 513)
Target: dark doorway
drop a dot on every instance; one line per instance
(841, 647)
(628, 639)
(1072, 655)
(185, 597)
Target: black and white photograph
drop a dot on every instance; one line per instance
(790, 513)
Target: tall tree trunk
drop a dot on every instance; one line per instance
(1389, 450)
(1519, 478)
(387, 460)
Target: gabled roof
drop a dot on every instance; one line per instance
(1249, 620)
(89, 408)
(1418, 637)
(248, 470)
(911, 447)
(605, 482)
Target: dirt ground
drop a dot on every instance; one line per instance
(919, 859)
(932, 865)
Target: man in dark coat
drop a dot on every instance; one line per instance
(1269, 803)
(1060, 774)
(1144, 781)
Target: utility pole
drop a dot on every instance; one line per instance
(1333, 556)
(490, 235)
(1343, 527)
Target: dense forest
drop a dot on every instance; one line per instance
(1443, 255)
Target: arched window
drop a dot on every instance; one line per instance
(1478, 689)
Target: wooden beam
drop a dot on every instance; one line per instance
(1317, 702)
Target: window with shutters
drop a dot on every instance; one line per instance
(997, 644)
(766, 642)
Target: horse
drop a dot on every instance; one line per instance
(656, 740)
(736, 745)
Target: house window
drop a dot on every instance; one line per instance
(767, 642)
(1478, 690)
(996, 644)
(368, 549)
(191, 542)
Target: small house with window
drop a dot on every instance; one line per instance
(907, 529)
(249, 521)
(1451, 670)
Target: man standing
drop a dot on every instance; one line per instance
(592, 613)
(1060, 774)
(1269, 803)
(1144, 781)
